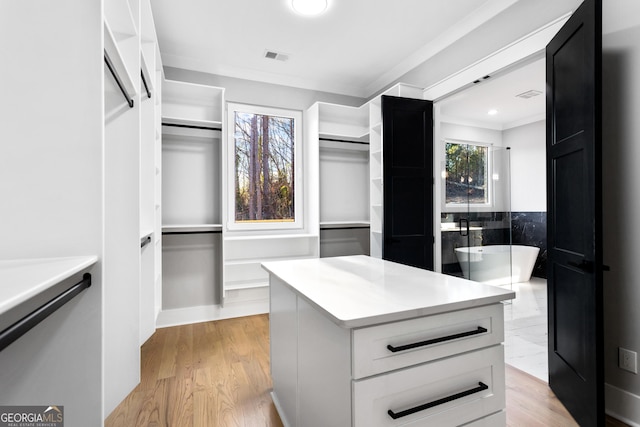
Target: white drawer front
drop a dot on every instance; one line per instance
(431, 385)
(498, 419)
(372, 356)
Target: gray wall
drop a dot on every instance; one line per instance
(621, 157)
(528, 166)
(257, 93)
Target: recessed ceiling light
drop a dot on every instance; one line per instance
(309, 7)
(492, 112)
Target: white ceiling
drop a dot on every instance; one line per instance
(356, 47)
(471, 105)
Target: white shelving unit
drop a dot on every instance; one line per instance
(192, 104)
(150, 164)
(191, 200)
(244, 279)
(343, 149)
(128, 126)
(245, 283)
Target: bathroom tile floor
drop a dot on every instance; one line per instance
(526, 328)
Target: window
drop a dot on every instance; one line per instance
(466, 171)
(265, 145)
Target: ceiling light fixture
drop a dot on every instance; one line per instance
(492, 112)
(309, 7)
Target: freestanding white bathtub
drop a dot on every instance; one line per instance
(497, 264)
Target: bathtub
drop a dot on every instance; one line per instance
(491, 264)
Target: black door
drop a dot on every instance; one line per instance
(576, 373)
(408, 181)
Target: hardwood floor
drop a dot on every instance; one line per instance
(216, 374)
(204, 374)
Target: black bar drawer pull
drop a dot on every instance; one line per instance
(393, 349)
(395, 415)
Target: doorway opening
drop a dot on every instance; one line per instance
(505, 114)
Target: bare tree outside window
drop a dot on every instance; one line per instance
(264, 167)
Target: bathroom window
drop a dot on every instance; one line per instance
(466, 172)
(265, 143)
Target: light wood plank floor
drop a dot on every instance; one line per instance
(217, 374)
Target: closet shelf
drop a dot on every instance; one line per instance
(258, 261)
(245, 238)
(334, 144)
(27, 281)
(249, 284)
(191, 228)
(191, 123)
(328, 225)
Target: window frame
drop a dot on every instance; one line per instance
(298, 179)
(489, 178)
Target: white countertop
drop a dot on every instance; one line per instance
(23, 279)
(357, 291)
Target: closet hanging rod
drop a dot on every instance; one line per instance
(25, 324)
(165, 233)
(346, 227)
(177, 125)
(144, 82)
(343, 140)
(118, 81)
(145, 242)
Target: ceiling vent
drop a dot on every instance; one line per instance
(529, 94)
(278, 56)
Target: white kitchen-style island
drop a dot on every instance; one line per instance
(359, 341)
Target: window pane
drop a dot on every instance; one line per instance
(466, 171)
(264, 160)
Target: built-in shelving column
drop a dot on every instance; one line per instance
(246, 285)
(375, 175)
(191, 201)
(122, 204)
(343, 135)
(150, 94)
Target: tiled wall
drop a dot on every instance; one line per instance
(530, 229)
(492, 228)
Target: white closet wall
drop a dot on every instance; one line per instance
(72, 178)
(51, 188)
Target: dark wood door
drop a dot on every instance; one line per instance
(408, 181)
(574, 191)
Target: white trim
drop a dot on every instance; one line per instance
(206, 313)
(622, 405)
(523, 48)
(296, 115)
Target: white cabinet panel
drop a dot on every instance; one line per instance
(452, 391)
(483, 326)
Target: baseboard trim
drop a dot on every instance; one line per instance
(281, 413)
(622, 405)
(206, 313)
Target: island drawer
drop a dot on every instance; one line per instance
(448, 392)
(397, 345)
